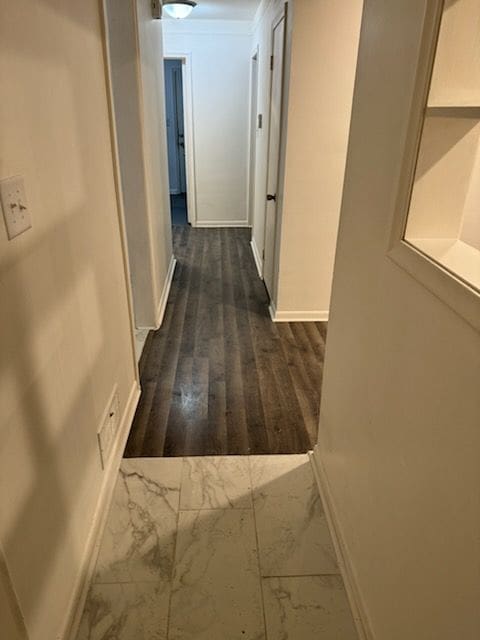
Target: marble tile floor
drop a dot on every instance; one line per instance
(217, 548)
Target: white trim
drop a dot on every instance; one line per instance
(162, 305)
(445, 285)
(256, 257)
(272, 310)
(297, 316)
(92, 546)
(357, 605)
(252, 135)
(118, 184)
(222, 223)
(187, 83)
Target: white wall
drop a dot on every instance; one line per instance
(122, 39)
(66, 332)
(135, 42)
(323, 62)
(399, 427)
(321, 53)
(470, 232)
(220, 53)
(152, 87)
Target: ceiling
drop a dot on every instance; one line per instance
(224, 10)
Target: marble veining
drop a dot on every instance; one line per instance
(187, 554)
(307, 608)
(221, 482)
(216, 587)
(139, 538)
(293, 535)
(135, 611)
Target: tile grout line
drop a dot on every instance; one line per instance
(304, 575)
(217, 509)
(260, 580)
(167, 631)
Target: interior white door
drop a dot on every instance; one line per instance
(273, 154)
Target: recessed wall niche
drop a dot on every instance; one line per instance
(444, 216)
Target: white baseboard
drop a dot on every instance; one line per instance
(162, 305)
(297, 316)
(219, 224)
(272, 310)
(92, 546)
(357, 605)
(256, 257)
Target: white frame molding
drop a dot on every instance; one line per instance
(252, 136)
(462, 298)
(186, 59)
(296, 316)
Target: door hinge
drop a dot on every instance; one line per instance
(263, 254)
(271, 63)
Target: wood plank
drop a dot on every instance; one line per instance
(219, 377)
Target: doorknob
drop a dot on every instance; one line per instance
(271, 197)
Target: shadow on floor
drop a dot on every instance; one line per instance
(216, 548)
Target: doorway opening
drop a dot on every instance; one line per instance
(176, 141)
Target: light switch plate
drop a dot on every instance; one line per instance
(14, 204)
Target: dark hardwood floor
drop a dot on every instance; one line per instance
(220, 377)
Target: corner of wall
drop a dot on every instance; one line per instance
(357, 605)
(92, 545)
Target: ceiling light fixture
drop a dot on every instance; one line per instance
(179, 8)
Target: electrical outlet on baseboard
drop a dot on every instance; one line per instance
(108, 430)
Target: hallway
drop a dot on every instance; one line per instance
(220, 377)
(223, 548)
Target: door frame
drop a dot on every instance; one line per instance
(281, 15)
(252, 133)
(187, 86)
(118, 184)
